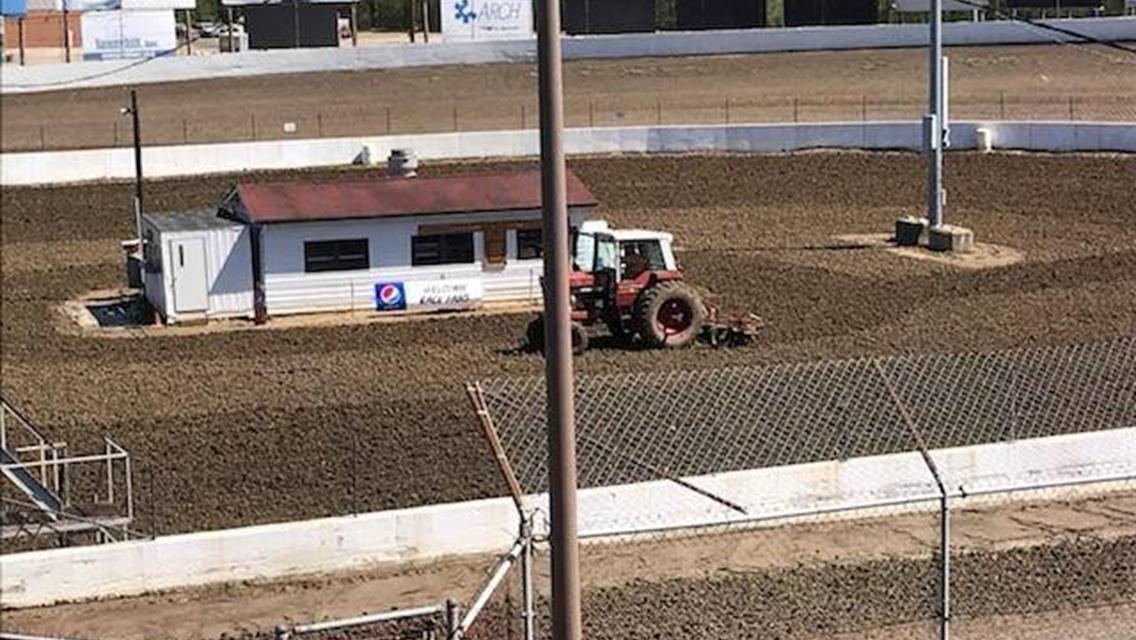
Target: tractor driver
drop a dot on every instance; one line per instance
(634, 263)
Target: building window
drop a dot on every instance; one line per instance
(530, 245)
(450, 248)
(336, 255)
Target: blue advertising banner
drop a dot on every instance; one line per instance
(13, 8)
(390, 296)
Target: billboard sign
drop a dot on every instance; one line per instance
(466, 20)
(923, 6)
(93, 5)
(116, 35)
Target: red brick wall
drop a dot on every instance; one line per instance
(42, 29)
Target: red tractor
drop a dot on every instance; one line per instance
(629, 281)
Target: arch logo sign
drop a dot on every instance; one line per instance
(469, 20)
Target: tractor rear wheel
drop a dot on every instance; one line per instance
(668, 315)
(534, 336)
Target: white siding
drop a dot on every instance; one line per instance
(288, 289)
(228, 273)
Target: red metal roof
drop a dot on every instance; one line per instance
(387, 197)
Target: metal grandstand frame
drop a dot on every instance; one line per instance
(43, 470)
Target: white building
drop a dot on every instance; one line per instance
(387, 244)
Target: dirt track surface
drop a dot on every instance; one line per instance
(1049, 560)
(257, 426)
(1046, 82)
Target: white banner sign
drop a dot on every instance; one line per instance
(444, 294)
(114, 35)
(922, 6)
(143, 5)
(465, 20)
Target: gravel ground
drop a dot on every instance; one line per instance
(257, 426)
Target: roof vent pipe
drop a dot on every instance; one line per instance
(402, 163)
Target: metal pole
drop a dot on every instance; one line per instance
(561, 409)
(188, 34)
(229, 31)
(425, 22)
(66, 34)
(529, 614)
(945, 567)
(935, 131)
(137, 122)
(296, 24)
(355, 24)
(20, 36)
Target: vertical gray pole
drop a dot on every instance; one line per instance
(229, 23)
(527, 578)
(561, 409)
(355, 24)
(945, 566)
(137, 122)
(935, 141)
(188, 34)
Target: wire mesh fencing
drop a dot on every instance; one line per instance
(804, 499)
(493, 115)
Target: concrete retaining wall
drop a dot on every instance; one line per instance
(53, 167)
(112, 73)
(489, 526)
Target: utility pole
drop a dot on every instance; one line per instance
(132, 110)
(935, 124)
(561, 410)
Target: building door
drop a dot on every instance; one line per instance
(191, 291)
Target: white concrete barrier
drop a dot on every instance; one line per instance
(676, 43)
(489, 526)
(58, 167)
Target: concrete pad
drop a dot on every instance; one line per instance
(983, 255)
(949, 237)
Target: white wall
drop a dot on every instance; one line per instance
(53, 167)
(288, 289)
(253, 63)
(228, 273)
(488, 526)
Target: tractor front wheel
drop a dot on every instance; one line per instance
(668, 315)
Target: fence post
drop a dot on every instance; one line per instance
(453, 619)
(658, 111)
(1072, 110)
(796, 115)
(527, 578)
(591, 114)
(252, 125)
(319, 124)
(863, 107)
(455, 117)
(388, 120)
(727, 111)
(945, 566)
(523, 127)
(1002, 105)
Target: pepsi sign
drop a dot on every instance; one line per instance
(390, 296)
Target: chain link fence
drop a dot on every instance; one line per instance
(488, 115)
(809, 500)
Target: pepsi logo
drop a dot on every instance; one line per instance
(390, 294)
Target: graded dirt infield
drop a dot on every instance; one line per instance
(266, 425)
(1038, 82)
(1045, 559)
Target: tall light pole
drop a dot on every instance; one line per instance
(935, 124)
(561, 410)
(132, 111)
